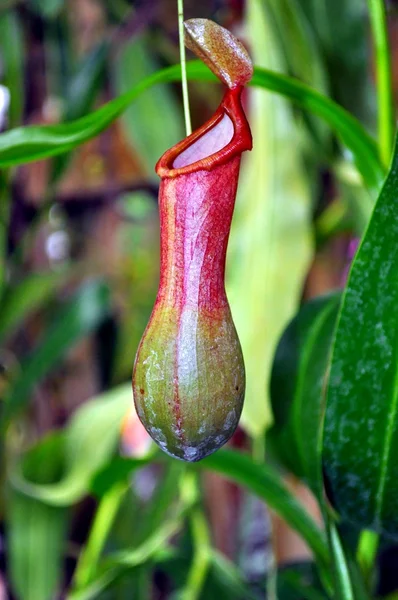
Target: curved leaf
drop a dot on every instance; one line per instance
(262, 481)
(361, 421)
(297, 388)
(88, 444)
(31, 143)
(36, 531)
(118, 562)
(36, 539)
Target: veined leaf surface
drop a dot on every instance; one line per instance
(361, 423)
(298, 386)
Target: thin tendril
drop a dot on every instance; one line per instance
(185, 97)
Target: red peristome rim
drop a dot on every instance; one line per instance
(241, 140)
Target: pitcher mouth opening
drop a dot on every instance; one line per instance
(211, 142)
(225, 135)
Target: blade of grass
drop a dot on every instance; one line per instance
(35, 546)
(384, 78)
(103, 520)
(342, 576)
(119, 562)
(201, 558)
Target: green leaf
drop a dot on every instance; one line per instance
(78, 317)
(297, 389)
(88, 444)
(270, 245)
(384, 77)
(130, 529)
(348, 129)
(264, 482)
(150, 131)
(55, 473)
(101, 524)
(31, 143)
(12, 53)
(24, 298)
(341, 571)
(361, 422)
(36, 545)
(36, 531)
(119, 562)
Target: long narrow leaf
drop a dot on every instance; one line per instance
(297, 389)
(121, 561)
(36, 547)
(36, 531)
(27, 144)
(361, 421)
(89, 442)
(266, 483)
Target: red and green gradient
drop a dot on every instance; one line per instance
(189, 376)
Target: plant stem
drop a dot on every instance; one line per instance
(184, 82)
(201, 559)
(103, 520)
(343, 583)
(384, 78)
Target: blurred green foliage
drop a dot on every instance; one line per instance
(82, 519)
